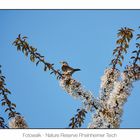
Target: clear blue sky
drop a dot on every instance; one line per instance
(84, 38)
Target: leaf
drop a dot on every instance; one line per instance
(9, 117)
(119, 41)
(134, 52)
(80, 124)
(3, 77)
(129, 38)
(70, 124)
(58, 77)
(3, 103)
(2, 99)
(52, 72)
(132, 57)
(10, 114)
(114, 51)
(125, 50)
(19, 36)
(26, 53)
(24, 37)
(12, 108)
(7, 109)
(137, 45)
(120, 63)
(13, 104)
(6, 90)
(138, 36)
(33, 49)
(23, 49)
(78, 110)
(72, 119)
(32, 58)
(1, 119)
(15, 42)
(37, 62)
(112, 61)
(85, 111)
(45, 68)
(18, 48)
(17, 113)
(122, 57)
(126, 45)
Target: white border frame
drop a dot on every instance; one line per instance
(69, 4)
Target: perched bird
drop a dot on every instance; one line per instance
(67, 69)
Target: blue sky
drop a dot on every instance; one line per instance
(84, 38)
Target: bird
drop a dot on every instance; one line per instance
(67, 70)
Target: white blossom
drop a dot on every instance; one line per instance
(76, 90)
(17, 122)
(109, 116)
(107, 82)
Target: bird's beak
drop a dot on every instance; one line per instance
(60, 62)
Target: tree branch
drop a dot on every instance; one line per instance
(4, 92)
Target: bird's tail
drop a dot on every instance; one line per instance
(77, 69)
